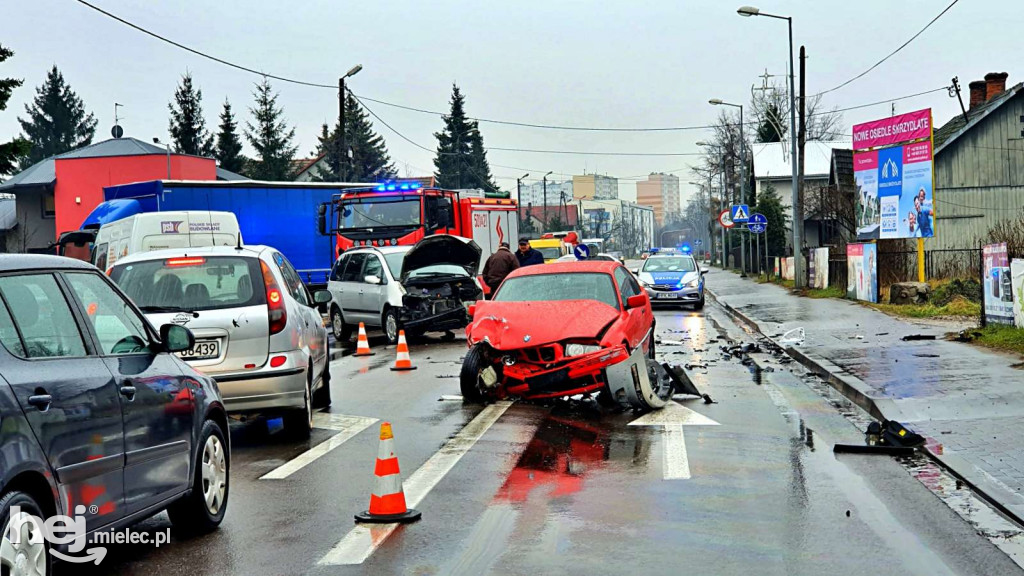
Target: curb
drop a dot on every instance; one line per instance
(856, 391)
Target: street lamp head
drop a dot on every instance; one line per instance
(156, 140)
(524, 176)
(714, 102)
(549, 173)
(355, 70)
(748, 11)
(703, 143)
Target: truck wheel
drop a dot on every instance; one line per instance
(471, 377)
(203, 509)
(391, 325)
(342, 331)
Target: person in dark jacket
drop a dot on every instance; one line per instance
(498, 266)
(527, 255)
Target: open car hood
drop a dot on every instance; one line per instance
(506, 325)
(442, 249)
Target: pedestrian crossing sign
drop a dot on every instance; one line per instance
(740, 213)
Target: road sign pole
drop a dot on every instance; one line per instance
(757, 257)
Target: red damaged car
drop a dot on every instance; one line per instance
(564, 329)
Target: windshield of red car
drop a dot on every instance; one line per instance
(557, 287)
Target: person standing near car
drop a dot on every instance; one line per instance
(526, 255)
(498, 266)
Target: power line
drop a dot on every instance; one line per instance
(201, 54)
(891, 54)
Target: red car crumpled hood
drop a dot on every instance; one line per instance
(506, 324)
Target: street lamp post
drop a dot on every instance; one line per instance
(343, 152)
(743, 178)
(545, 179)
(519, 200)
(798, 209)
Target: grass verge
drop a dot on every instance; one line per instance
(1000, 337)
(959, 306)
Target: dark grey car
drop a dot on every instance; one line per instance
(100, 420)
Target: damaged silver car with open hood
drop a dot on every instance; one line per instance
(422, 288)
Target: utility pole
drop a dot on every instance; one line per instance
(545, 180)
(343, 152)
(798, 208)
(519, 200)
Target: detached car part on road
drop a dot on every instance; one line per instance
(565, 329)
(423, 288)
(100, 420)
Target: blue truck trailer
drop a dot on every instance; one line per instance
(278, 214)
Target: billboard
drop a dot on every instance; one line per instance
(892, 165)
(1017, 274)
(861, 275)
(997, 284)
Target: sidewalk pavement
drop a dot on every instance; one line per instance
(968, 401)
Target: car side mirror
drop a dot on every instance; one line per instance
(372, 279)
(703, 272)
(176, 338)
(636, 271)
(322, 296)
(636, 301)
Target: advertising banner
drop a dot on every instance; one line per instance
(819, 268)
(787, 268)
(861, 276)
(1017, 274)
(894, 183)
(996, 284)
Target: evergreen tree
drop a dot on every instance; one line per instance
(769, 204)
(770, 123)
(187, 126)
(454, 161)
(10, 152)
(480, 171)
(57, 121)
(368, 159)
(270, 137)
(229, 146)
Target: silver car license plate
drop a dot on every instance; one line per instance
(667, 295)
(202, 350)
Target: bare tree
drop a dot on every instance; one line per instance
(771, 109)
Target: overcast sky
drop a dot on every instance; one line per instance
(609, 63)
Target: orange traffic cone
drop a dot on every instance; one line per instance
(362, 344)
(403, 362)
(387, 502)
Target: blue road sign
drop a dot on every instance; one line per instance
(698, 242)
(740, 213)
(581, 251)
(757, 223)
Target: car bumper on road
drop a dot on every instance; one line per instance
(266, 388)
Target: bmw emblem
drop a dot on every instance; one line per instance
(526, 338)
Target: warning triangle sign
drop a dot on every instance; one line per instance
(740, 214)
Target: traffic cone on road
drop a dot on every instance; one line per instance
(387, 502)
(403, 362)
(362, 344)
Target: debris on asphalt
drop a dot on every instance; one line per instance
(671, 342)
(927, 355)
(882, 334)
(695, 365)
(708, 400)
(910, 337)
(856, 337)
(450, 398)
(794, 337)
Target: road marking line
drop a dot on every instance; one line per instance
(346, 426)
(671, 419)
(363, 540)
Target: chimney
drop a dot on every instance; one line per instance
(978, 89)
(995, 84)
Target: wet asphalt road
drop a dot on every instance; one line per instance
(569, 489)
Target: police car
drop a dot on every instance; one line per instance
(672, 279)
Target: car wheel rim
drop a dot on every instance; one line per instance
(215, 474)
(23, 549)
(392, 327)
(309, 407)
(337, 324)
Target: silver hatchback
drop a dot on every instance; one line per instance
(257, 328)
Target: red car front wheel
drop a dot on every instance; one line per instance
(474, 379)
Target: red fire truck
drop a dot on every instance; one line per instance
(402, 214)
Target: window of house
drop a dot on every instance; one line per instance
(49, 207)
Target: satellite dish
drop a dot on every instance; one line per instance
(117, 131)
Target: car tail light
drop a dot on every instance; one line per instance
(276, 312)
(277, 361)
(194, 261)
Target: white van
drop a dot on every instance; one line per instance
(161, 230)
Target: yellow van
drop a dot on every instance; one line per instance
(551, 248)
